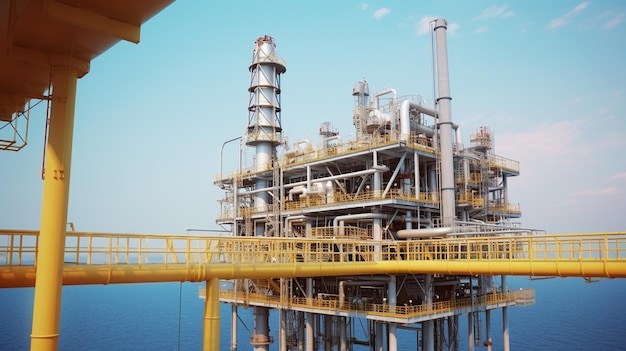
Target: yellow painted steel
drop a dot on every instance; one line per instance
(48, 286)
(95, 258)
(212, 315)
(92, 258)
(333, 305)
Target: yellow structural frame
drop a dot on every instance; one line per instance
(100, 258)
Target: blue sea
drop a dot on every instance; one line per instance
(569, 314)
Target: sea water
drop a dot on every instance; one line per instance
(569, 314)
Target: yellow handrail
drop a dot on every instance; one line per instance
(522, 296)
(160, 257)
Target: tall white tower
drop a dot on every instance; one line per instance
(264, 129)
(264, 133)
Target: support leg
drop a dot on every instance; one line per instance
(505, 319)
(211, 341)
(49, 276)
(488, 327)
(233, 328)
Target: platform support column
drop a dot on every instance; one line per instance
(428, 327)
(470, 331)
(49, 276)
(211, 339)
(233, 328)
(488, 327)
(310, 317)
(392, 339)
(282, 331)
(505, 319)
(379, 338)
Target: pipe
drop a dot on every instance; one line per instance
(445, 125)
(24, 276)
(307, 220)
(358, 216)
(423, 233)
(405, 120)
(374, 169)
(381, 93)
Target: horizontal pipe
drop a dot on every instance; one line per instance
(24, 276)
(423, 233)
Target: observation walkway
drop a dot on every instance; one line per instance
(404, 314)
(102, 258)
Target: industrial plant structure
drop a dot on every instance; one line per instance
(401, 228)
(405, 177)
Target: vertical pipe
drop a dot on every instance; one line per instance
(379, 336)
(377, 182)
(343, 338)
(393, 338)
(470, 331)
(260, 339)
(428, 330)
(233, 328)
(300, 331)
(49, 276)
(235, 208)
(310, 326)
(488, 327)
(416, 169)
(505, 190)
(282, 345)
(505, 319)
(211, 339)
(445, 125)
(328, 333)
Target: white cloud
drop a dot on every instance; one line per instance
(453, 27)
(382, 12)
(567, 17)
(364, 6)
(614, 22)
(423, 26)
(481, 30)
(494, 12)
(619, 176)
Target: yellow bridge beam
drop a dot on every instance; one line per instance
(92, 258)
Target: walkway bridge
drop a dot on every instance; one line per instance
(103, 258)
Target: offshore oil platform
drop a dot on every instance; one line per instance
(405, 177)
(352, 243)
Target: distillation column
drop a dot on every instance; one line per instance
(263, 133)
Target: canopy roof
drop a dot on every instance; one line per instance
(36, 35)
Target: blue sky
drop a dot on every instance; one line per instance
(547, 77)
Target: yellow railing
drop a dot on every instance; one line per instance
(316, 201)
(310, 154)
(522, 297)
(20, 247)
(92, 258)
(504, 163)
(505, 208)
(342, 198)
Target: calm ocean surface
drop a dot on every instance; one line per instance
(569, 315)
